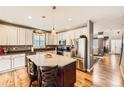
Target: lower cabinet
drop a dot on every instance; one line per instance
(5, 63)
(11, 62)
(18, 61)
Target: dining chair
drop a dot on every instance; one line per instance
(49, 76)
(32, 72)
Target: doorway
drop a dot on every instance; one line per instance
(116, 46)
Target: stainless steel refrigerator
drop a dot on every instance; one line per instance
(82, 51)
(122, 56)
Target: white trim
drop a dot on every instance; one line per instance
(8, 70)
(122, 72)
(89, 70)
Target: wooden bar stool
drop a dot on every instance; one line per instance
(32, 71)
(49, 76)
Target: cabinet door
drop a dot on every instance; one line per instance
(18, 60)
(71, 34)
(77, 33)
(68, 40)
(58, 35)
(84, 31)
(21, 36)
(3, 35)
(12, 36)
(29, 36)
(5, 63)
(47, 38)
(50, 39)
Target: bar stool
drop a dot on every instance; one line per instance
(32, 71)
(49, 76)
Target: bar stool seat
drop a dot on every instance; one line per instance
(32, 72)
(49, 76)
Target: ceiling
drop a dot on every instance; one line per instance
(65, 17)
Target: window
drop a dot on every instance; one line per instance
(39, 40)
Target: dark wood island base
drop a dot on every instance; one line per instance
(67, 75)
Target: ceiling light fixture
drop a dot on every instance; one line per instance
(69, 19)
(29, 17)
(54, 25)
(43, 16)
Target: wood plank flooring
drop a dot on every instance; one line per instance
(106, 73)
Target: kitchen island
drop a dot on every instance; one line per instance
(67, 67)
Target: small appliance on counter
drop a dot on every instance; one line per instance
(2, 52)
(60, 50)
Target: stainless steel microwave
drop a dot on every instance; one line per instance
(62, 42)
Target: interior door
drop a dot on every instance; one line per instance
(95, 46)
(113, 47)
(116, 46)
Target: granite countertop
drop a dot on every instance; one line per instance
(29, 50)
(41, 60)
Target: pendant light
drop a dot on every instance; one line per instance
(53, 27)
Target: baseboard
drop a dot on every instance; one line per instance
(122, 73)
(91, 69)
(12, 69)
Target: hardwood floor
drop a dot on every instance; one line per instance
(106, 73)
(83, 79)
(17, 78)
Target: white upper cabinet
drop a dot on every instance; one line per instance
(84, 31)
(21, 36)
(12, 35)
(50, 39)
(77, 33)
(58, 35)
(46, 39)
(68, 40)
(71, 34)
(3, 35)
(29, 35)
(63, 36)
(55, 39)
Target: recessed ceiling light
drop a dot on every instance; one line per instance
(69, 19)
(29, 17)
(55, 25)
(43, 16)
